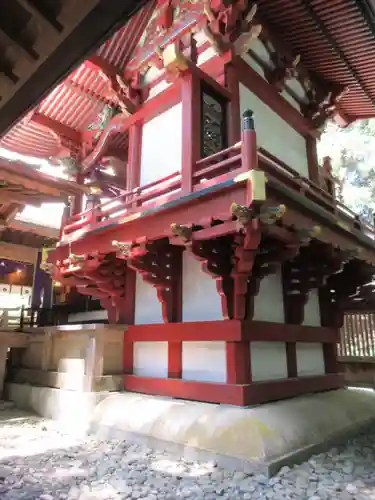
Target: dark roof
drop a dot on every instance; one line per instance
(335, 39)
(40, 42)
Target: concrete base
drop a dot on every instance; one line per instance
(67, 381)
(261, 438)
(72, 409)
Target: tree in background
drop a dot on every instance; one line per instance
(352, 151)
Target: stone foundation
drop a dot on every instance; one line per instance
(260, 438)
(79, 358)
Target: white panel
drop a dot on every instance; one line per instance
(310, 359)
(204, 361)
(16, 289)
(268, 304)
(151, 359)
(274, 134)
(200, 299)
(268, 361)
(88, 316)
(312, 310)
(161, 145)
(147, 305)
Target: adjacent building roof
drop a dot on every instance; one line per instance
(335, 39)
(40, 42)
(21, 185)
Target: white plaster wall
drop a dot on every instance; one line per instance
(268, 304)
(312, 310)
(147, 306)
(150, 359)
(88, 316)
(200, 299)
(204, 361)
(310, 359)
(268, 361)
(274, 134)
(162, 145)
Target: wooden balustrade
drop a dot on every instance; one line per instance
(221, 166)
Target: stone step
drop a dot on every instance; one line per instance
(6, 405)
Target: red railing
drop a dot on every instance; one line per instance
(220, 166)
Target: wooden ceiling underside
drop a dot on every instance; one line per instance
(41, 40)
(21, 185)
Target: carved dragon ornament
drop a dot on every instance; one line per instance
(228, 22)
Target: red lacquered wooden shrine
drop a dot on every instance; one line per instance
(210, 229)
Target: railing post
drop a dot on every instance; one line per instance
(191, 129)
(65, 218)
(249, 142)
(133, 175)
(22, 319)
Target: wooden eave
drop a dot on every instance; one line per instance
(41, 41)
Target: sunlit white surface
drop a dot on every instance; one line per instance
(49, 214)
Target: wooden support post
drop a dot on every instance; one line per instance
(78, 200)
(64, 219)
(133, 177)
(174, 359)
(3, 360)
(191, 129)
(330, 358)
(234, 112)
(238, 363)
(249, 142)
(312, 159)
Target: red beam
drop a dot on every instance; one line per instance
(231, 331)
(239, 395)
(263, 392)
(56, 127)
(136, 227)
(190, 331)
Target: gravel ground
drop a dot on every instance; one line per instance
(38, 461)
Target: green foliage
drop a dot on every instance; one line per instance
(352, 151)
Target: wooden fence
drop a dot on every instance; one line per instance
(357, 339)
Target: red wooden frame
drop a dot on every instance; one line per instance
(269, 95)
(238, 395)
(239, 389)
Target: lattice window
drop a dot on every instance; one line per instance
(214, 126)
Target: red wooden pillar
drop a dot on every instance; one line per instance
(291, 347)
(64, 219)
(175, 315)
(312, 159)
(330, 358)
(238, 362)
(234, 112)
(78, 200)
(249, 142)
(191, 129)
(134, 157)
